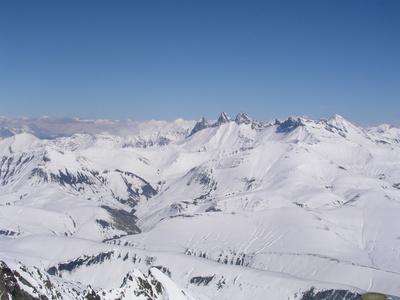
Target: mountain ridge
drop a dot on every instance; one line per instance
(301, 201)
(54, 127)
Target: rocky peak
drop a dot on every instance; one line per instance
(200, 125)
(242, 118)
(289, 124)
(224, 118)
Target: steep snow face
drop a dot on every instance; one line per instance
(230, 210)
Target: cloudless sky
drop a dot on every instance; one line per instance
(164, 60)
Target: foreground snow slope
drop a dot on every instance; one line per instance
(232, 210)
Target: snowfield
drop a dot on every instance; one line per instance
(237, 209)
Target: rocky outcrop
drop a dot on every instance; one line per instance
(9, 286)
(200, 125)
(288, 125)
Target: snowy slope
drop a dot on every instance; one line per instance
(237, 209)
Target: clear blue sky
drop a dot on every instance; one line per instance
(168, 59)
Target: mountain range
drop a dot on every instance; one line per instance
(226, 209)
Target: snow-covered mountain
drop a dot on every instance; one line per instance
(232, 209)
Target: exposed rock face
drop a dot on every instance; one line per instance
(288, 125)
(330, 294)
(123, 220)
(223, 118)
(242, 118)
(201, 124)
(9, 287)
(34, 284)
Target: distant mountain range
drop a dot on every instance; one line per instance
(229, 209)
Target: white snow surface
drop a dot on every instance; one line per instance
(229, 212)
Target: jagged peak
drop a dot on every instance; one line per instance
(224, 118)
(200, 125)
(289, 124)
(203, 124)
(243, 118)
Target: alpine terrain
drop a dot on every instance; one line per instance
(227, 209)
